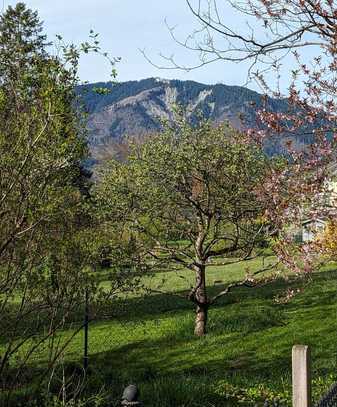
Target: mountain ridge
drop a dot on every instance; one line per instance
(136, 108)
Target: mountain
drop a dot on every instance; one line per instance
(137, 108)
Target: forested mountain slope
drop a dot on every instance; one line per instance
(137, 108)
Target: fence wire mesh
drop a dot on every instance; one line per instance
(273, 403)
(329, 399)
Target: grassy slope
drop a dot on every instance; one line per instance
(249, 343)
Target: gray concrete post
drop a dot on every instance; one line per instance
(301, 376)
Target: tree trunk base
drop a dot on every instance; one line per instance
(200, 320)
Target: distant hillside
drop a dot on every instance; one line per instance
(136, 107)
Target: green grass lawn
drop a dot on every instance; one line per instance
(183, 279)
(246, 355)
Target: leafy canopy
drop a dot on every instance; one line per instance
(191, 185)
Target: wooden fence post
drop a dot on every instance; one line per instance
(301, 376)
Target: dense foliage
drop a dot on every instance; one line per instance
(186, 198)
(44, 218)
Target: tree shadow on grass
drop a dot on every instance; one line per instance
(147, 361)
(249, 342)
(150, 306)
(250, 336)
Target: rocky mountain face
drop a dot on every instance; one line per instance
(137, 108)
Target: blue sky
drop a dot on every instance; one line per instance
(125, 26)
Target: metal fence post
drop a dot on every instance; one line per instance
(301, 376)
(86, 332)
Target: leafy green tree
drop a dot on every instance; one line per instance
(186, 198)
(45, 211)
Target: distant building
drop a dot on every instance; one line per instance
(310, 229)
(327, 200)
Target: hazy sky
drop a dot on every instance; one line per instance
(125, 26)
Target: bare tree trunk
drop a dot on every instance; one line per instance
(202, 303)
(200, 320)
